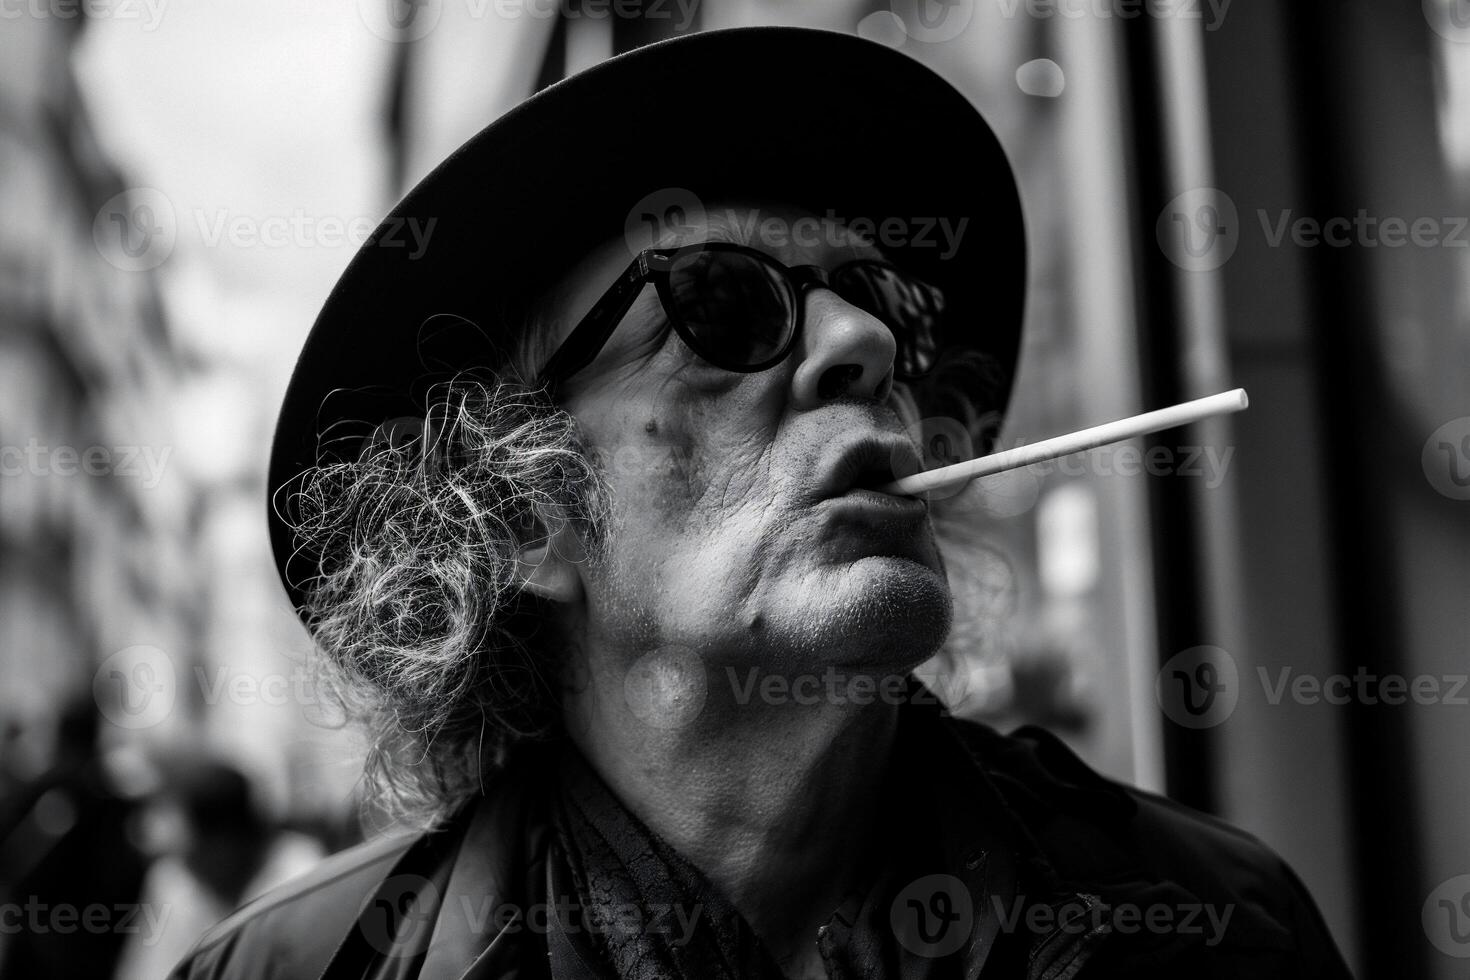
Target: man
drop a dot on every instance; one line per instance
(583, 507)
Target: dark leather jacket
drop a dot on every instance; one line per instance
(1124, 884)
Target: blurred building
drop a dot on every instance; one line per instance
(95, 552)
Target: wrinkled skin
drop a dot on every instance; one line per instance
(721, 540)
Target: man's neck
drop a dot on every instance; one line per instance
(772, 802)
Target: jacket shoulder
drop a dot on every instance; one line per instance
(1090, 827)
(1054, 792)
(294, 929)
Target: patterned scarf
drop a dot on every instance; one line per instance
(643, 912)
(646, 913)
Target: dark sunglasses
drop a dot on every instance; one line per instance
(741, 310)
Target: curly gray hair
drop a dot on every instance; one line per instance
(428, 638)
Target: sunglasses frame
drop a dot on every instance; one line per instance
(595, 329)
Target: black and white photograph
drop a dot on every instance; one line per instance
(734, 489)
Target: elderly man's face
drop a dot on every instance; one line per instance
(738, 521)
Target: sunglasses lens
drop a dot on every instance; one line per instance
(738, 309)
(912, 309)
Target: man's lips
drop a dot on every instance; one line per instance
(861, 466)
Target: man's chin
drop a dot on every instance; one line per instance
(887, 612)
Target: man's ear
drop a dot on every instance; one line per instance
(548, 568)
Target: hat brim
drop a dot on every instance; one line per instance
(825, 121)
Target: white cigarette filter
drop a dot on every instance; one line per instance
(1099, 435)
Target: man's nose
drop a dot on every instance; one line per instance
(844, 351)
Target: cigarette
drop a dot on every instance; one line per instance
(1099, 435)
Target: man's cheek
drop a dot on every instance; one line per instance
(734, 486)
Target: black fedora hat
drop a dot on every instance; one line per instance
(827, 122)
